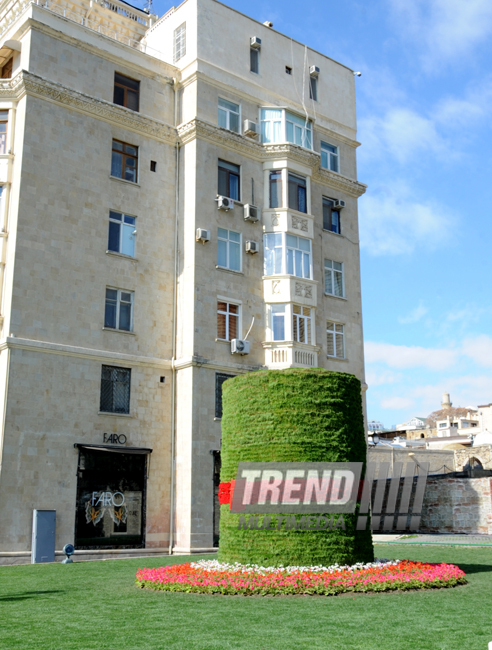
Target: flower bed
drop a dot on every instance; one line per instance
(211, 577)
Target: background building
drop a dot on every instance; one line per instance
(177, 208)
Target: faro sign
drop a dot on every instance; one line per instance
(115, 499)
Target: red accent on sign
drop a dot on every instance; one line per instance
(226, 490)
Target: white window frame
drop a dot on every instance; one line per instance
(331, 156)
(179, 42)
(308, 324)
(228, 113)
(331, 271)
(228, 253)
(306, 130)
(282, 237)
(228, 302)
(123, 226)
(118, 308)
(336, 335)
(278, 310)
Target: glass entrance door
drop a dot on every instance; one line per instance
(110, 500)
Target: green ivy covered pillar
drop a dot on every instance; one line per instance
(294, 415)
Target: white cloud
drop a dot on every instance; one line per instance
(397, 403)
(402, 133)
(443, 30)
(382, 377)
(479, 349)
(415, 315)
(392, 222)
(402, 356)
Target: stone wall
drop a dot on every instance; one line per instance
(482, 453)
(457, 505)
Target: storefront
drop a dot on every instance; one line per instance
(111, 495)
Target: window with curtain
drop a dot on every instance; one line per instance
(227, 320)
(335, 340)
(124, 161)
(229, 180)
(331, 217)
(301, 324)
(330, 157)
(229, 115)
(334, 278)
(278, 125)
(297, 192)
(287, 254)
(229, 249)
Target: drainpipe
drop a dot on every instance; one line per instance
(174, 328)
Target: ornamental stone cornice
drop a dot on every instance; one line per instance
(27, 83)
(196, 128)
(338, 182)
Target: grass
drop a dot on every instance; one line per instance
(96, 606)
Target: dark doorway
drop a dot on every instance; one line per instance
(216, 455)
(110, 500)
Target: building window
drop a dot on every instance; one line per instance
(220, 378)
(331, 217)
(118, 314)
(313, 88)
(229, 115)
(179, 42)
(227, 320)
(7, 70)
(115, 390)
(121, 233)
(287, 254)
(335, 340)
(330, 157)
(254, 60)
(124, 161)
(229, 180)
(126, 91)
(278, 125)
(334, 278)
(301, 324)
(443, 425)
(4, 120)
(297, 193)
(229, 249)
(276, 189)
(278, 322)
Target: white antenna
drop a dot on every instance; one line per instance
(250, 328)
(148, 7)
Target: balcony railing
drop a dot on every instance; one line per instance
(290, 355)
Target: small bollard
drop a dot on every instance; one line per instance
(69, 550)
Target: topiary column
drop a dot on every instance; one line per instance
(294, 415)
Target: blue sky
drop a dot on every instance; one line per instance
(424, 106)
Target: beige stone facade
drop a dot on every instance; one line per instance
(58, 188)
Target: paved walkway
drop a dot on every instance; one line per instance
(441, 540)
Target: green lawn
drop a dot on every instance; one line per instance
(95, 606)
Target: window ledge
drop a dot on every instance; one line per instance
(112, 329)
(222, 341)
(336, 358)
(217, 419)
(329, 170)
(224, 268)
(118, 415)
(123, 180)
(123, 255)
(330, 232)
(331, 295)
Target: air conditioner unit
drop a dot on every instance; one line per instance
(252, 247)
(202, 235)
(314, 71)
(251, 212)
(238, 346)
(225, 203)
(250, 128)
(255, 42)
(339, 204)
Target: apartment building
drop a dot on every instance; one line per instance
(177, 208)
